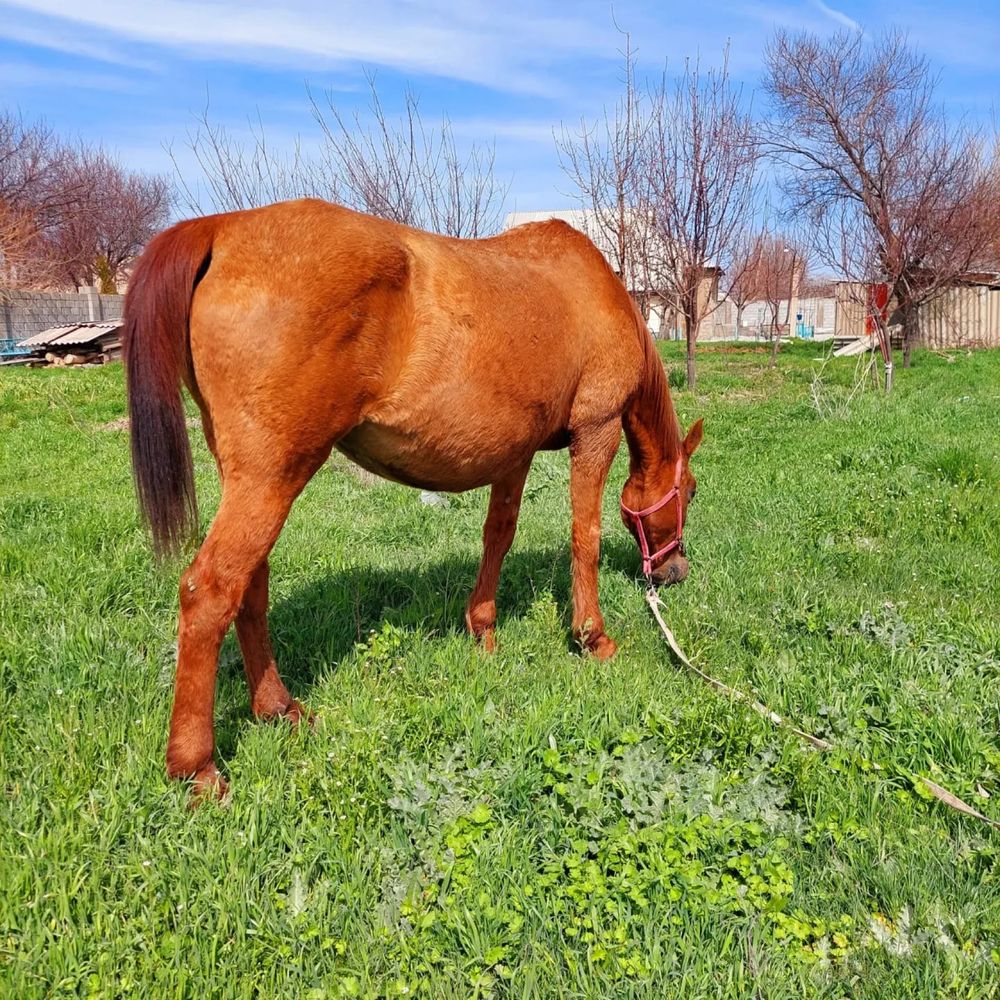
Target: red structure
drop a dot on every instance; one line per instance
(878, 301)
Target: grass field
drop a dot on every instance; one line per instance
(532, 824)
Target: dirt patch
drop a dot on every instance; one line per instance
(712, 349)
(744, 394)
(122, 424)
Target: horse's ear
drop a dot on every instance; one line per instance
(693, 438)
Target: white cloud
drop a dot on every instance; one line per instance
(14, 30)
(839, 16)
(26, 75)
(497, 45)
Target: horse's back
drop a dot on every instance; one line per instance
(316, 256)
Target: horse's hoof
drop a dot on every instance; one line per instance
(602, 647)
(208, 785)
(297, 713)
(268, 706)
(482, 626)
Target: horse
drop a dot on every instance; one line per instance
(441, 363)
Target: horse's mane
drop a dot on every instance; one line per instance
(653, 401)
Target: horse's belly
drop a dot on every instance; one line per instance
(451, 459)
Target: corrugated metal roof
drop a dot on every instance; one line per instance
(46, 336)
(66, 336)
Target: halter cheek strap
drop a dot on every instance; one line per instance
(649, 559)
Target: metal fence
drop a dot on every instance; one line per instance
(963, 316)
(967, 316)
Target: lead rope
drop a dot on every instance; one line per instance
(940, 793)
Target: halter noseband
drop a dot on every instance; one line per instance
(636, 516)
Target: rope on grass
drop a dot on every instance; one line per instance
(937, 791)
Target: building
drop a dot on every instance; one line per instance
(756, 322)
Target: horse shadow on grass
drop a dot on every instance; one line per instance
(316, 625)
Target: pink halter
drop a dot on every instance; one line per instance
(636, 516)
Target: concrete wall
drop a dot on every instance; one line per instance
(23, 314)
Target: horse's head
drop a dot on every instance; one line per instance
(654, 509)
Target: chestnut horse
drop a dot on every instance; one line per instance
(440, 363)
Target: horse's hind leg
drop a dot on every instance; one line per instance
(269, 697)
(212, 589)
(498, 534)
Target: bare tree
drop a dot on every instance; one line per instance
(238, 173)
(114, 213)
(70, 215)
(134, 206)
(897, 194)
(605, 162)
(788, 272)
(701, 188)
(744, 286)
(18, 237)
(854, 253)
(771, 269)
(779, 270)
(32, 196)
(399, 169)
(408, 172)
(28, 154)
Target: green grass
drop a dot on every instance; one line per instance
(532, 824)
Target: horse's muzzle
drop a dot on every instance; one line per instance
(672, 570)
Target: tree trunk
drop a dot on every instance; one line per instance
(885, 348)
(775, 333)
(642, 301)
(690, 332)
(909, 325)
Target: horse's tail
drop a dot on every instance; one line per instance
(157, 357)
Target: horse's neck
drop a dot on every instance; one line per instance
(650, 423)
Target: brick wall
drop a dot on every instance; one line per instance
(23, 314)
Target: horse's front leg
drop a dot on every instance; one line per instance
(591, 453)
(498, 534)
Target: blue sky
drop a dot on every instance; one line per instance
(132, 73)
